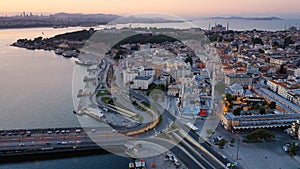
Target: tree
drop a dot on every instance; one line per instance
(209, 132)
(293, 150)
(259, 135)
(256, 106)
(262, 110)
(272, 105)
(232, 140)
(189, 60)
(261, 51)
(222, 143)
(257, 41)
(237, 111)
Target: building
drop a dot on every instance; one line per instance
(142, 82)
(165, 76)
(174, 90)
(295, 95)
(237, 89)
(232, 122)
(147, 72)
(253, 69)
(278, 61)
(297, 72)
(129, 75)
(285, 90)
(218, 28)
(273, 85)
(243, 80)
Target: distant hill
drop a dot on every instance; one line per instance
(61, 20)
(246, 18)
(80, 16)
(109, 17)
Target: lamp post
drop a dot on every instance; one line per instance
(238, 146)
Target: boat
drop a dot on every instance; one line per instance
(67, 54)
(59, 26)
(83, 63)
(58, 51)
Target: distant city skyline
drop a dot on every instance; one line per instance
(187, 8)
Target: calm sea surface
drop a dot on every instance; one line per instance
(36, 87)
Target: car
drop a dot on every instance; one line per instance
(68, 131)
(48, 143)
(22, 133)
(63, 131)
(93, 130)
(77, 131)
(49, 132)
(9, 134)
(28, 135)
(63, 142)
(21, 144)
(57, 131)
(3, 134)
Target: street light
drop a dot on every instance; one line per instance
(238, 146)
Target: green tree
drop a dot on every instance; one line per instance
(272, 105)
(222, 143)
(293, 150)
(262, 110)
(189, 60)
(209, 132)
(261, 51)
(259, 135)
(237, 111)
(256, 107)
(232, 140)
(257, 41)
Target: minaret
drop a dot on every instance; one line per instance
(227, 26)
(285, 27)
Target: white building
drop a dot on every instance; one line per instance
(277, 60)
(147, 72)
(297, 72)
(243, 80)
(142, 82)
(272, 85)
(129, 75)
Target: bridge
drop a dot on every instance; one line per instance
(20, 144)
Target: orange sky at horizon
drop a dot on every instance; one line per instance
(175, 7)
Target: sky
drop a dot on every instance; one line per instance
(183, 8)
